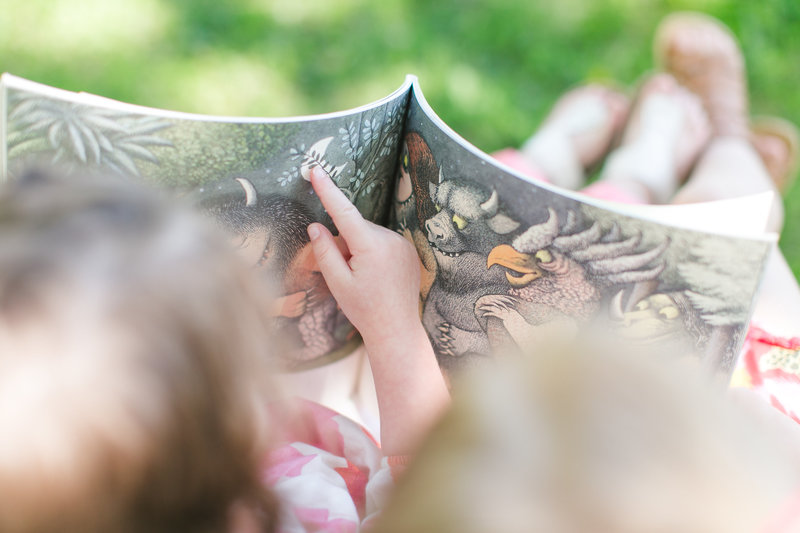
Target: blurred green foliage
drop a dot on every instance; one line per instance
(491, 69)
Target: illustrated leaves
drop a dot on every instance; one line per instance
(80, 134)
(369, 143)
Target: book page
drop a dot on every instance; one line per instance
(745, 216)
(508, 261)
(249, 174)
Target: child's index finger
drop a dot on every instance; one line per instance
(348, 220)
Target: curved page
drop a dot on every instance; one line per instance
(248, 173)
(508, 262)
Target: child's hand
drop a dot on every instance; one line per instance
(374, 274)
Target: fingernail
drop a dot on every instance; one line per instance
(313, 231)
(319, 172)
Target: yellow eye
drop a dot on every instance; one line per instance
(405, 161)
(460, 222)
(641, 306)
(438, 207)
(544, 256)
(669, 312)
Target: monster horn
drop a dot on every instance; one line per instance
(539, 236)
(607, 250)
(615, 309)
(580, 240)
(571, 224)
(250, 194)
(626, 263)
(635, 276)
(613, 235)
(490, 206)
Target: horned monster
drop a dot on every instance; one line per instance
(468, 223)
(561, 274)
(270, 231)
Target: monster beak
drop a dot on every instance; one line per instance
(522, 268)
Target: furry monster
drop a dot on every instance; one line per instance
(270, 231)
(469, 222)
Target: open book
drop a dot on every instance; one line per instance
(503, 257)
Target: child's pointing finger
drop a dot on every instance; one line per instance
(348, 220)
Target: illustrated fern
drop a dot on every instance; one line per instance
(77, 134)
(368, 144)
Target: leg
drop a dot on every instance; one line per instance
(704, 56)
(663, 137)
(729, 168)
(576, 134)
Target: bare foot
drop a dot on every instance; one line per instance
(703, 55)
(666, 132)
(594, 116)
(577, 133)
(777, 142)
(667, 109)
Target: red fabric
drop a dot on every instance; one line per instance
(514, 159)
(770, 366)
(604, 190)
(600, 190)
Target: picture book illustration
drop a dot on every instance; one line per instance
(504, 260)
(250, 175)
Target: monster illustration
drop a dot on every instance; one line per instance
(560, 274)
(413, 205)
(271, 233)
(468, 224)
(664, 321)
(702, 315)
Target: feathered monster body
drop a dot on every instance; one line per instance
(562, 286)
(556, 273)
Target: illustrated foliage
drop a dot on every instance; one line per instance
(368, 146)
(73, 134)
(716, 275)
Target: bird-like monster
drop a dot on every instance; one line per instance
(561, 274)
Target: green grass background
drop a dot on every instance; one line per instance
(491, 69)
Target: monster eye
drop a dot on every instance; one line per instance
(405, 161)
(668, 312)
(544, 256)
(460, 222)
(641, 306)
(438, 207)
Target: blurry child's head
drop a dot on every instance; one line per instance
(591, 440)
(131, 342)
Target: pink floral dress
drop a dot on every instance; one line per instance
(329, 473)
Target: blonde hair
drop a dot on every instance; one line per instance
(132, 344)
(590, 440)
